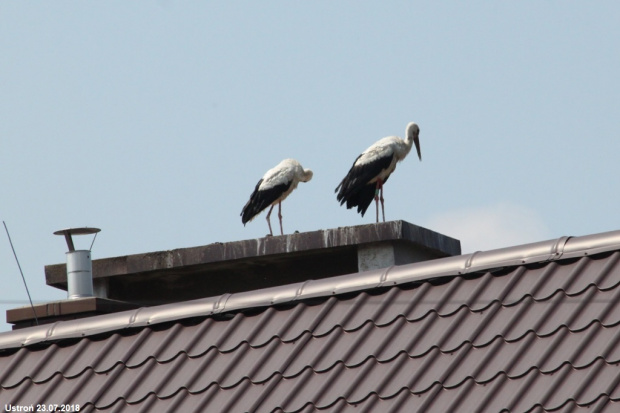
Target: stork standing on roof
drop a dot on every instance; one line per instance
(273, 188)
(373, 167)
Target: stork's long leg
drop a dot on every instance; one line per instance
(379, 190)
(280, 216)
(382, 208)
(268, 221)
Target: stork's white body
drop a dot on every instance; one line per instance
(287, 171)
(391, 147)
(274, 187)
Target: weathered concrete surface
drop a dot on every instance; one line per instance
(188, 273)
(64, 310)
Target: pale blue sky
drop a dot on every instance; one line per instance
(154, 120)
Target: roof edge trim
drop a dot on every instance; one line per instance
(551, 250)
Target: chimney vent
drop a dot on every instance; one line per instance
(79, 264)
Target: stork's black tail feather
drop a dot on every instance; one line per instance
(362, 199)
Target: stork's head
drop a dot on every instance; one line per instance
(413, 133)
(307, 175)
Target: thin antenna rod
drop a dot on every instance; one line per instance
(22, 273)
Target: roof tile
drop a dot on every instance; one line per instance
(538, 337)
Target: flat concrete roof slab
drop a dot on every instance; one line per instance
(188, 273)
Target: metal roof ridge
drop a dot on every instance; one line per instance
(554, 249)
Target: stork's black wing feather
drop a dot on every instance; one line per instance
(355, 189)
(261, 199)
(362, 198)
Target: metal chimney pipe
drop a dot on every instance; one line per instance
(79, 274)
(79, 265)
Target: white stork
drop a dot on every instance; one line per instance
(273, 188)
(373, 167)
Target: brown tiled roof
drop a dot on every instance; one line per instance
(522, 335)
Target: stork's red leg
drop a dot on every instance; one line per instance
(280, 216)
(379, 190)
(381, 198)
(268, 221)
(377, 202)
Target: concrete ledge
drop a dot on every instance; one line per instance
(188, 273)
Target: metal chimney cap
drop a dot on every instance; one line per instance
(77, 231)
